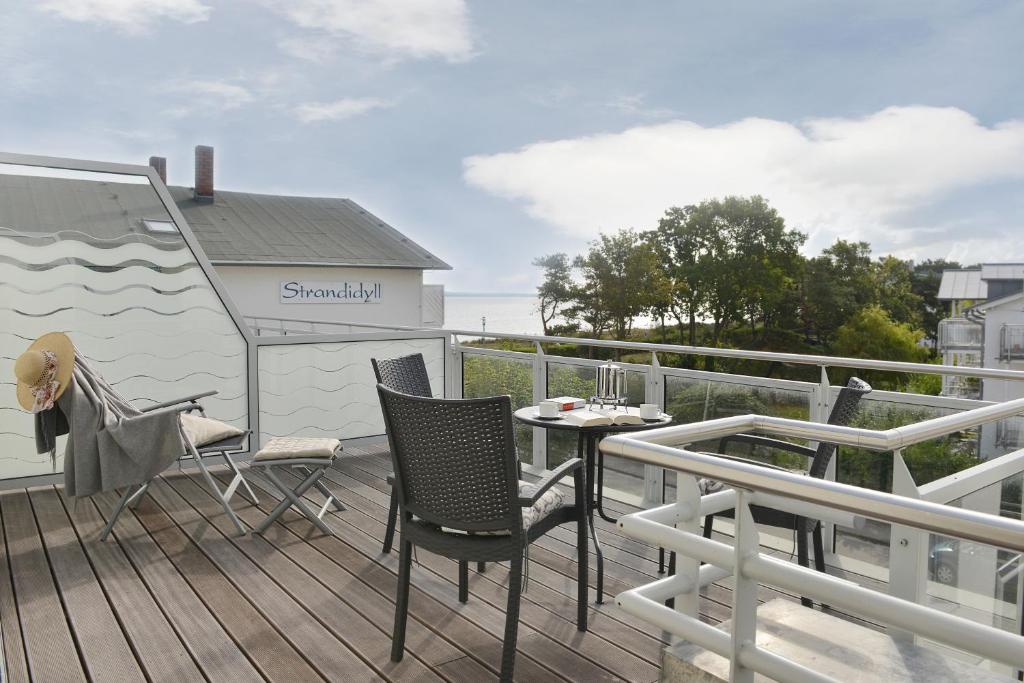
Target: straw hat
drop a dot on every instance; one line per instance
(44, 371)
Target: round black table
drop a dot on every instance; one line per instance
(587, 450)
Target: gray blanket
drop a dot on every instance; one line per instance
(111, 443)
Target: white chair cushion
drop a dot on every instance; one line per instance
(296, 447)
(552, 499)
(204, 430)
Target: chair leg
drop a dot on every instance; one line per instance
(819, 552)
(389, 533)
(129, 494)
(582, 572)
(661, 560)
(801, 554)
(709, 523)
(401, 602)
(481, 567)
(671, 602)
(463, 581)
(508, 650)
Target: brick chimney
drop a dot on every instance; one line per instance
(160, 164)
(204, 173)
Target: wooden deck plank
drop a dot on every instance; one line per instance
(551, 626)
(158, 646)
(104, 648)
(466, 670)
(218, 656)
(186, 599)
(562, 629)
(564, 579)
(257, 636)
(49, 645)
(345, 630)
(430, 602)
(15, 665)
(347, 584)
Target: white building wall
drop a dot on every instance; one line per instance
(256, 291)
(1011, 313)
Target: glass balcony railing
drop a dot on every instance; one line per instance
(959, 333)
(1011, 343)
(102, 257)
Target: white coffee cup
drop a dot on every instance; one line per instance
(548, 408)
(649, 411)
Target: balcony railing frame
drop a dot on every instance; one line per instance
(913, 511)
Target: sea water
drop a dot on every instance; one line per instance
(512, 313)
(515, 314)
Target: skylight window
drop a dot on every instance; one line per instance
(167, 227)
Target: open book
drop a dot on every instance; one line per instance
(595, 416)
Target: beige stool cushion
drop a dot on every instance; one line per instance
(296, 447)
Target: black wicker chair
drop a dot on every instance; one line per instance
(842, 413)
(407, 375)
(457, 481)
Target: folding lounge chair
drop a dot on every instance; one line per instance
(223, 448)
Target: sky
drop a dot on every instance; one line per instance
(495, 132)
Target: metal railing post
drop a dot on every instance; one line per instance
(453, 371)
(744, 592)
(654, 392)
(540, 390)
(908, 548)
(824, 408)
(687, 508)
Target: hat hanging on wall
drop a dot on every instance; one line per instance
(44, 371)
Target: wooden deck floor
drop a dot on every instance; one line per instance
(176, 596)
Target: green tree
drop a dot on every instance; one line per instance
(925, 279)
(619, 270)
(871, 333)
(894, 287)
(837, 284)
(677, 245)
(555, 292)
(767, 255)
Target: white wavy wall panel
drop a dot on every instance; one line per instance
(328, 390)
(139, 308)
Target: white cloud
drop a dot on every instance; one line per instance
(850, 177)
(392, 28)
(345, 108)
(131, 16)
(206, 96)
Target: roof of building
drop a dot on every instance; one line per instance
(1002, 271)
(235, 228)
(998, 303)
(962, 284)
(241, 227)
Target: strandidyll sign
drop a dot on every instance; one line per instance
(296, 292)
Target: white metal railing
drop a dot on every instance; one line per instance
(912, 514)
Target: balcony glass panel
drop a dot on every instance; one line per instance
(1012, 343)
(977, 581)
(486, 375)
(694, 399)
(328, 389)
(76, 256)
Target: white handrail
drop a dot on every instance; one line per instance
(771, 356)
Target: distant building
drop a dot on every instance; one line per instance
(985, 329)
(308, 257)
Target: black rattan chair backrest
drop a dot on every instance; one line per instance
(454, 460)
(843, 410)
(407, 375)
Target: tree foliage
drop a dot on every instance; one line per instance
(729, 272)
